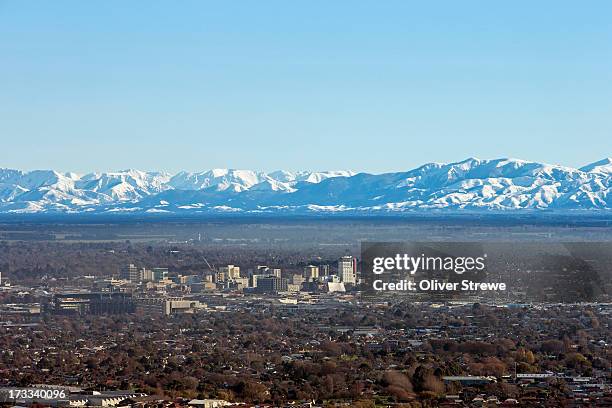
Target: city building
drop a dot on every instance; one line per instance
(324, 270)
(311, 273)
(271, 284)
(297, 279)
(331, 287)
(241, 283)
(93, 303)
(347, 269)
(167, 305)
(153, 275)
(230, 272)
(130, 272)
(146, 275)
(181, 306)
(159, 274)
(185, 279)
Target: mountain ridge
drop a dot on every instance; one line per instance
(472, 184)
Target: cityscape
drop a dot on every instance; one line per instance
(305, 204)
(171, 322)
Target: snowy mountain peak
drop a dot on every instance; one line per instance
(473, 184)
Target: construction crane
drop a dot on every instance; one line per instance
(211, 267)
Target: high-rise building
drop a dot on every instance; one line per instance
(311, 272)
(230, 272)
(130, 272)
(324, 270)
(347, 269)
(146, 274)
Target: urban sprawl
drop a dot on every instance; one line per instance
(300, 336)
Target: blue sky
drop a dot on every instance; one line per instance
(370, 86)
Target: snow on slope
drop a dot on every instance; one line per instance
(471, 184)
(602, 166)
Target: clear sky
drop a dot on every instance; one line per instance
(364, 85)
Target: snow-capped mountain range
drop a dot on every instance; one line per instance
(468, 185)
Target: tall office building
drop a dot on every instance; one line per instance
(324, 270)
(146, 275)
(347, 269)
(230, 272)
(130, 272)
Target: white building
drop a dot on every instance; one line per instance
(347, 269)
(331, 287)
